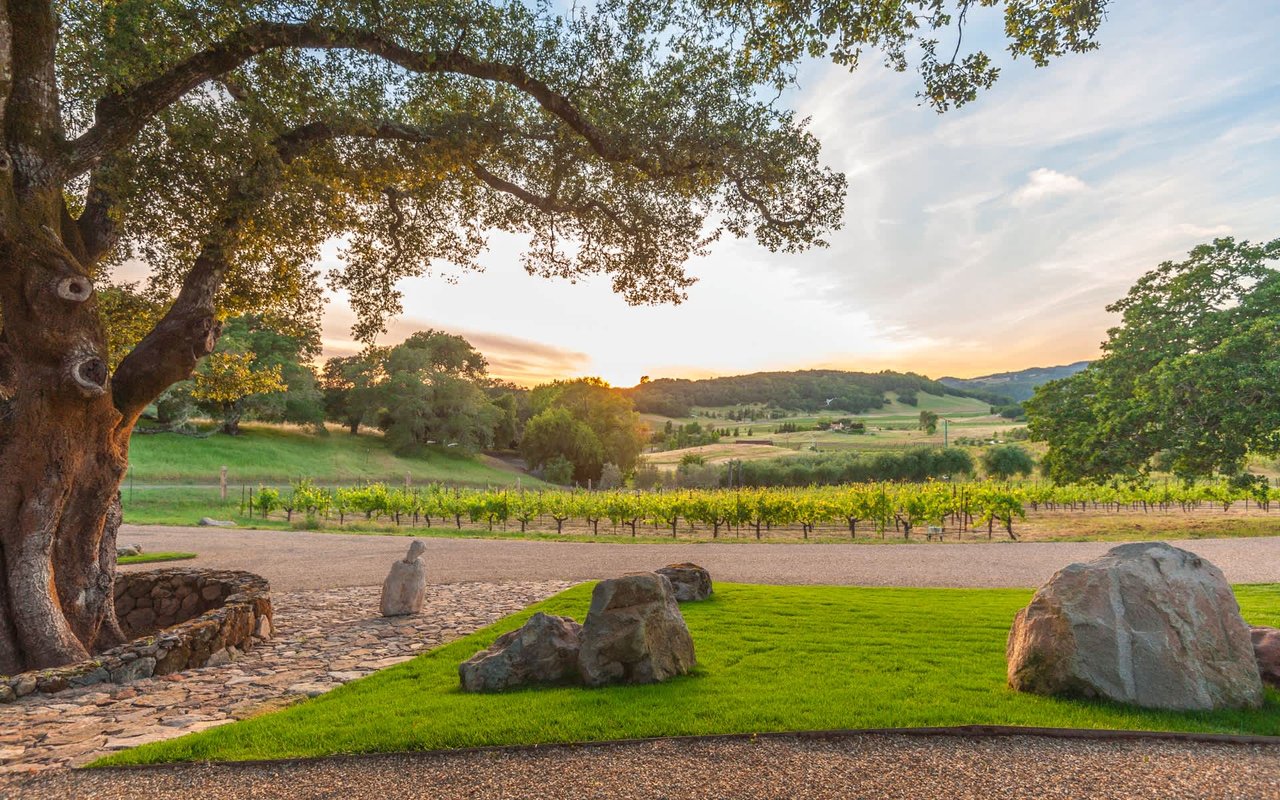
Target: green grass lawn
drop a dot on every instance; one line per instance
(155, 558)
(279, 454)
(771, 658)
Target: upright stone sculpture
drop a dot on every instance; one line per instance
(405, 588)
(634, 632)
(1146, 624)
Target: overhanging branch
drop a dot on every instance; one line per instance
(119, 117)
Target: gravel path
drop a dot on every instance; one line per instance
(296, 561)
(785, 767)
(322, 640)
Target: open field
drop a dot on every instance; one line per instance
(893, 427)
(886, 658)
(279, 454)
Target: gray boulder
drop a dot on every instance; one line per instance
(544, 650)
(1146, 624)
(634, 632)
(405, 589)
(1266, 650)
(690, 581)
(128, 550)
(210, 522)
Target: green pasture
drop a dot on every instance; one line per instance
(771, 658)
(279, 454)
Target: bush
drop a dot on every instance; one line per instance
(558, 470)
(1006, 460)
(610, 477)
(647, 477)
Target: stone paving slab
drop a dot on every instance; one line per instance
(322, 640)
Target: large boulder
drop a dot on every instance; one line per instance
(1266, 649)
(1146, 624)
(634, 632)
(405, 589)
(544, 650)
(690, 581)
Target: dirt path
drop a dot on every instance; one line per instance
(297, 561)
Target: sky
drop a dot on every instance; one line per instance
(986, 239)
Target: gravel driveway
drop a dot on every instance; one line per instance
(299, 561)
(883, 766)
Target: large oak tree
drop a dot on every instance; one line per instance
(221, 143)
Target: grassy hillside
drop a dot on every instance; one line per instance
(276, 454)
(801, 390)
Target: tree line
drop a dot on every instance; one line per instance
(802, 390)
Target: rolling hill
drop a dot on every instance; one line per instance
(1018, 385)
(801, 390)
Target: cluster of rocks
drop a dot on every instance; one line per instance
(178, 619)
(634, 633)
(1146, 624)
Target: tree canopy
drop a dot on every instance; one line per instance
(221, 143)
(1189, 381)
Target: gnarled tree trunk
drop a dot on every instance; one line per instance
(63, 453)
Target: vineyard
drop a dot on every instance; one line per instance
(934, 510)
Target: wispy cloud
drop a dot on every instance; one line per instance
(1045, 182)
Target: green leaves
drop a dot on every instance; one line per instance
(1190, 376)
(619, 139)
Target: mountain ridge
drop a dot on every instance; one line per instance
(1018, 385)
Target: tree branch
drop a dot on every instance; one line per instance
(119, 117)
(189, 330)
(98, 229)
(549, 204)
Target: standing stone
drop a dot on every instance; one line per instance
(690, 581)
(1266, 649)
(1146, 624)
(405, 588)
(634, 632)
(544, 650)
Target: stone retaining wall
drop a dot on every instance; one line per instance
(177, 618)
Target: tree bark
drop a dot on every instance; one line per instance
(63, 454)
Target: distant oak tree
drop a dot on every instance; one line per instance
(221, 143)
(1188, 382)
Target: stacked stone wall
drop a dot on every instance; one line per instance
(177, 619)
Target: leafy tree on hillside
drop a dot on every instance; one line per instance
(928, 422)
(606, 412)
(223, 382)
(1192, 373)
(222, 144)
(350, 386)
(301, 402)
(433, 394)
(1006, 460)
(555, 436)
(258, 373)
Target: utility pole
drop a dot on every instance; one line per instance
(945, 432)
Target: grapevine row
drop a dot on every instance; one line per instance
(870, 507)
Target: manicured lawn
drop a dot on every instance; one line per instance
(152, 558)
(279, 454)
(771, 658)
